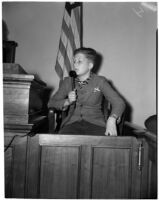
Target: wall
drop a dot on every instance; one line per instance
(126, 40)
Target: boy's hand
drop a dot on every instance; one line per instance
(111, 127)
(72, 96)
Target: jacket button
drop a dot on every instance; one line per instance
(81, 115)
(81, 105)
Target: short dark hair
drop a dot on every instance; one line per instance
(88, 52)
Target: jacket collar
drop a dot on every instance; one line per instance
(85, 82)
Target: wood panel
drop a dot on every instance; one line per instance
(32, 168)
(152, 179)
(149, 159)
(24, 96)
(152, 187)
(15, 168)
(85, 172)
(106, 167)
(16, 142)
(61, 167)
(16, 98)
(8, 172)
(52, 140)
(111, 173)
(59, 171)
(19, 168)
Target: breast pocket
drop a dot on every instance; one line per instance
(95, 96)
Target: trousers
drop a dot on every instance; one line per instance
(82, 128)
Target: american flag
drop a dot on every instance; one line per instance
(70, 39)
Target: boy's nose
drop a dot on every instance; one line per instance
(75, 65)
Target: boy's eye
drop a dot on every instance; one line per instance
(77, 62)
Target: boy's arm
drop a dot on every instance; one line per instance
(117, 103)
(59, 99)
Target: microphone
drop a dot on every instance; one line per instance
(73, 75)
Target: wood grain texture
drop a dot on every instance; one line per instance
(85, 172)
(16, 98)
(8, 172)
(148, 184)
(59, 172)
(111, 173)
(24, 96)
(86, 167)
(19, 168)
(108, 165)
(15, 159)
(120, 141)
(32, 168)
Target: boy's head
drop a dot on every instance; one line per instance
(84, 60)
(89, 53)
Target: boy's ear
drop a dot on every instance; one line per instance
(90, 65)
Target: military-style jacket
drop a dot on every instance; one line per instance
(89, 100)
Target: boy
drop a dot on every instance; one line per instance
(85, 115)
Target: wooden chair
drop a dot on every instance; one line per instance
(55, 118)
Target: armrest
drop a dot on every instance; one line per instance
(55, 119)
(51, 120)
(140, 131)
(39, 125)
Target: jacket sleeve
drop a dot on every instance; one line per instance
(58, 99)
(117, 103)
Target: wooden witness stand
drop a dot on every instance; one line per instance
(66, 166)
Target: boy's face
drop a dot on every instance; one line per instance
(82, 65)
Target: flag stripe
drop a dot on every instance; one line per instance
(65, 56)
(59, 70)
(64, 52)
(64, 39)
(67, 63)
(69, 34)
(60, 59)
(66, 18)
(77, 19)
(75, 32)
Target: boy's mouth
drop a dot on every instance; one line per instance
(76, 70)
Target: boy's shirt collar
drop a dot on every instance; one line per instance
(85, 82)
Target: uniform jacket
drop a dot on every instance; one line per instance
(89, 100)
